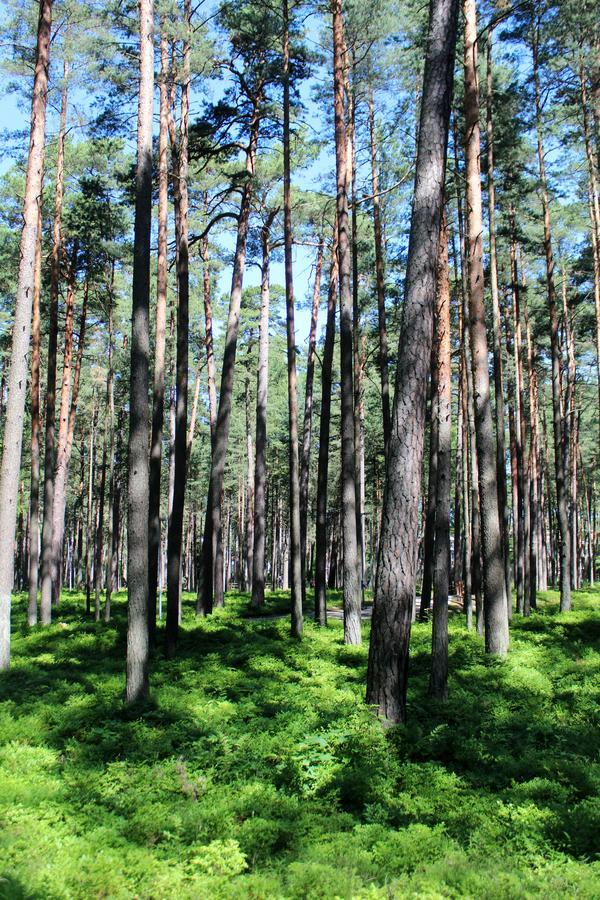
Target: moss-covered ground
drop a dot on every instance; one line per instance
(257, 772)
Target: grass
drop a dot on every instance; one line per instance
(257, 772)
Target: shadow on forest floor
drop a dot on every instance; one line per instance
(262, 741)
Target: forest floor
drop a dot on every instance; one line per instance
(257, 771)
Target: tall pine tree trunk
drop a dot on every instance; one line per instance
(396, 569)
(34, 492)
(175, 534)
(308, 402)
(438, 684)
(17, 385)
(158, 404)
(50, 440)
(559, 462)
(324, 430)
(351, 560)
(260, 462)
(136, 688)
(497, 326)
(380, 280)
(495, 611)
(294, 464)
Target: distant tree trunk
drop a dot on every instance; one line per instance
(175, 534)
(561, 486)
(430, 500)
(89, 536)
(50, 442)
(99, 536)
(34, 492)
(260, 463)
(294, 465)
(138, 506)
(308, 404)
(534, 547)
(438, 684)
(17, 385)
(570, 426)
(112, 475)
(594, 206)
(324, 427)
(60, 472)
(496, 617)
(396, 570)
(351, 561)
(212, 586)
(497, 326)
(380, 280)
(158, 405)
(249, 511)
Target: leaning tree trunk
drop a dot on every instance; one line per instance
(34, 493)
(137, 530)
(396, 569)
(50, 448)
(494, 597)
(158, 404)
(351, 560)
(561, 485)
(438, 683)
(17, 385)
(212, 587)
(175, 534)
(324, 429)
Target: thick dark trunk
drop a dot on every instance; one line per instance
(396, 570)
(138, 465)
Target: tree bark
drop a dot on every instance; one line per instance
(351, 560)
(17, 385)
(497, 326)
(175, 533)
(438, 684)
(138, 506)
(260, 462)
(396, 569)
(324, 428)
(561, 486)
(158, 404)
(380, 280)
(308, 404)
(494, 597)
(34, 492)
(50, 440)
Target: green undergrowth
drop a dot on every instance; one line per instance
(257, 772)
